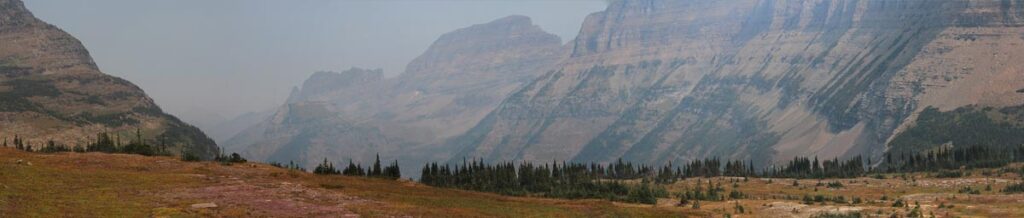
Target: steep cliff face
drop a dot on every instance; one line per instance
(452, 86)
(50, 88)
(657, 81)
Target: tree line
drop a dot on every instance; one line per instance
(607, 181)
(107, 144)
(953, 158)
(375, 171)
(802, 167)
(112, 143)
(104, 143)
(565, 180)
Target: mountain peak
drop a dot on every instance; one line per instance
(348, 77)
(512, 20)
(14, 12)
(484, 46)
(327, 81)
(502, 28)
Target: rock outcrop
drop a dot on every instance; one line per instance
(50, 89)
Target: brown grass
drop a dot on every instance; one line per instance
(93, 184)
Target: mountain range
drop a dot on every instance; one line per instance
(357, 113)
(661, 81)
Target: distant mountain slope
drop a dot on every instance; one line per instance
(220, 130)
(50, 89)
(663, 81)
(356, 113)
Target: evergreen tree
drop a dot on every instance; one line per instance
(138, 146)
(326, 168)
(376, 171)
(53, 147)
(18, 144)
(392, 171)
(353, 170)
(104, 143)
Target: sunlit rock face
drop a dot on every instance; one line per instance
(661, 81)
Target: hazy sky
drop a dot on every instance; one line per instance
(205, 58)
